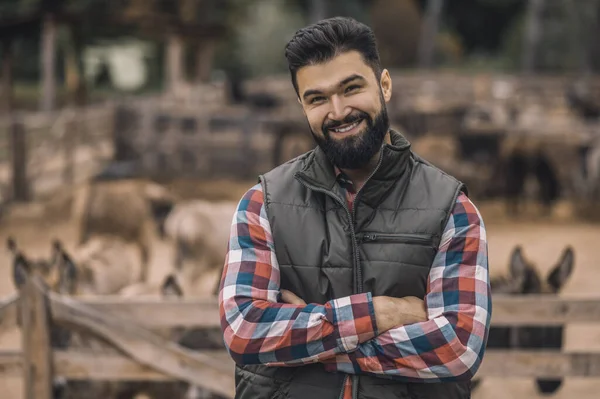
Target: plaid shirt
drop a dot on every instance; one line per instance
(341, 334)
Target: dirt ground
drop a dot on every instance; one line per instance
(543, 241)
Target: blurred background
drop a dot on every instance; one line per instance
(194, 96)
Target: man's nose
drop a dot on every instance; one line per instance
(338, 110)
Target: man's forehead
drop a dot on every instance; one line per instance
(332, 72)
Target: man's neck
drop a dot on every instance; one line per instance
(360, 176)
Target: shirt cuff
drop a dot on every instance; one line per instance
(355, 320)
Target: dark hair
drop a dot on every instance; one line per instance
(326, 39)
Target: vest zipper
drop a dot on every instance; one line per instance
(417, 239)
(358, 270)
(350, 220)
(358, 285)
(354, 246)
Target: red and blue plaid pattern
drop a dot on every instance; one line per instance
(260, 330)
(341, 333)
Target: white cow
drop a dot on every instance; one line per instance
(200, 231)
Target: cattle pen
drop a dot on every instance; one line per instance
(144, 355)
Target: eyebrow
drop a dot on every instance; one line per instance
(345, 81)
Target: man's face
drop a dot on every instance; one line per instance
(345, 105)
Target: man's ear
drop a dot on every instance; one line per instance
(386, 85)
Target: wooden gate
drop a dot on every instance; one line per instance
(142, 354)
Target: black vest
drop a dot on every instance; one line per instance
(386, 245)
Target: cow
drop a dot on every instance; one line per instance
(200, 231)
(132, 210)
(525, 279)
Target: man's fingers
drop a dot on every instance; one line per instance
(291, 298)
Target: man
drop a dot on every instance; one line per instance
(357, 270)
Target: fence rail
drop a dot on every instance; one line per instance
(143, 354)
(40, 152)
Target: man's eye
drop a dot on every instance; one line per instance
(351, 88)
(316, 100)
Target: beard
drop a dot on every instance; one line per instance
(356, 151)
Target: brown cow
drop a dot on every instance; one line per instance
(126, 209)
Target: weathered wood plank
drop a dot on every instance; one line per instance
(144, 346)
(9, 307)
(85, 366)
(546, 310)
(173, 312)
(507, 310)
(497, 363)
(35, 332)
(79, 365)
(18, 152)
(11, 363)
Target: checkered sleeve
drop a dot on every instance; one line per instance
(259, 329)
(450, 345)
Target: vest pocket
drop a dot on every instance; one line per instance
(396, 238)
(251, 385)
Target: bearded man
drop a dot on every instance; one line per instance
(357, 270)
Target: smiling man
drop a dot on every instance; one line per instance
(357, 270)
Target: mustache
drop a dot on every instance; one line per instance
(347, 120)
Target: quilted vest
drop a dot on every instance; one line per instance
(385, 245)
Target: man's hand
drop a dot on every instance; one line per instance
(291, 298)
(389, 312)
(394, 312)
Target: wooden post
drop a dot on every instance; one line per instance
(429, 31)
(204, 60)
(69, 137)
(48, 63)
(533, 34)
(75, 82)
(579, 47)
(35, 330)
(6, 76)
(18, 146)
(174, 61)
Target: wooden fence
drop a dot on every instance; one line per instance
(41, 152)
(142, 354)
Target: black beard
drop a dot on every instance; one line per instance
(355, 152)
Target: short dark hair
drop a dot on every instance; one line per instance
(328, 38)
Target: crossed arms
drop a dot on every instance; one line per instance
(444, 340)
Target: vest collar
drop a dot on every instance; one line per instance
(320, 172)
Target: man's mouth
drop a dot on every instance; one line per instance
(347, 127)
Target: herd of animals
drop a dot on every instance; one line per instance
(118, 221)
(527, 149)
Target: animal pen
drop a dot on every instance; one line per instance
(57, 151)
(143, 355)
(205, 138)
(40, 153)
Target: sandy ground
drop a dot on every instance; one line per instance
(543, 241)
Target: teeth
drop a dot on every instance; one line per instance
(347, 128)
